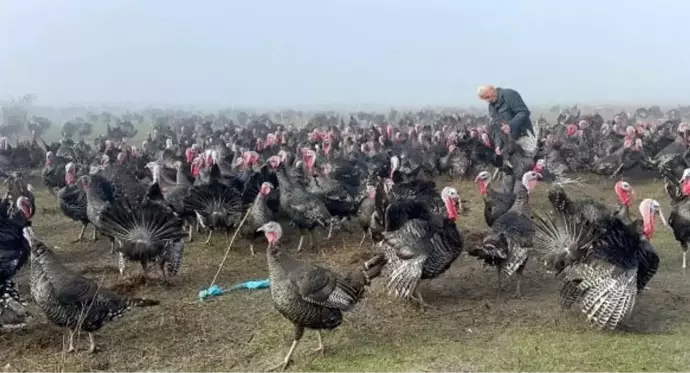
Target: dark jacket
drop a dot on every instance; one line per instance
(509, 108)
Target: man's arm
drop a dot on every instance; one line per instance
(494, 123)
(517, 106)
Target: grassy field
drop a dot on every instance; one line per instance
(468, 331)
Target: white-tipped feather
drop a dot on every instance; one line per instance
(607, 294)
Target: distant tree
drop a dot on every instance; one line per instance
(15, 114)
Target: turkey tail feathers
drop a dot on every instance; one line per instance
(606, 295)
(148, 223)
(561, 240)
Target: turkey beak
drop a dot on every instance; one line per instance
(662, 217)
(262, 228)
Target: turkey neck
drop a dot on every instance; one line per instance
(44, 264)
(181, 178)
(521, 204)
(283, 179)
(508, 183)
(259, 207)
(276, 263)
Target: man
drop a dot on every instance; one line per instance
(506, 107)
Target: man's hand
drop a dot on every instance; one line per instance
(505, 128)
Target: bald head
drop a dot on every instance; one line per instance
(487, 93)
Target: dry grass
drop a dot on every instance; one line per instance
(242, 331)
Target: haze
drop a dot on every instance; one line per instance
(342, 53)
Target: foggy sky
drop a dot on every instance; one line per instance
(337, 52)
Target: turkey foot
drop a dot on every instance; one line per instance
(301, 241)
(70, 338)
(286, 362)
(424, 305)
(81, 235)
(320, 349)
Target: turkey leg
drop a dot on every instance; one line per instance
(518, 292)
(311, 240)
(301, 240)
(70, 339)
(92, 344)
(418, 298)
(144, 271)
(685, 258)
(364, 236)
(498, 290)
(191, 236)
(121, 264)
(81, 234)
(299, 332)
(319, 349)
(208, 239)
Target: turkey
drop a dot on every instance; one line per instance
(72, 200)
(312, 297)
(679, 217)
(506, 246)
(419, 244)
(18, 188)
(601, 266)
(258, 215)
(14, 253)
(496, 202)
(304, 209)
(100, 195)
(624, 193)
(589, 210)
(53, 173)
(365, 211)
(149, 232)
(70, 300)
(176, 195)
(216, 205)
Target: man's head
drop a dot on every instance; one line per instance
(487, 93)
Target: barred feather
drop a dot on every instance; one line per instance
(173, 254)
(13, 312)
(406, 250)
(607, 293)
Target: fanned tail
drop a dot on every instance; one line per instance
(150, 223)
(562, 241)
